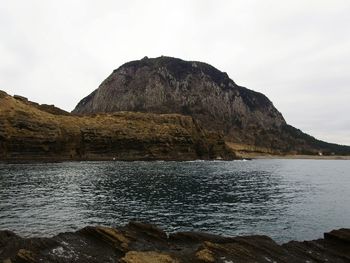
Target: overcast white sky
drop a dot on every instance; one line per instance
(295, 52)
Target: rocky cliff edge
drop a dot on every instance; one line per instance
(30, 131)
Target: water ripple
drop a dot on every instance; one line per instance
(285, 199)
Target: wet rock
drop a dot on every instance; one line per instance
(108, 235)
(138, 242)
(147, 229)
(340, 235)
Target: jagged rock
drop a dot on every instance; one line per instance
(143, 243)
(21, 98)
(33, 131)
(171, 85)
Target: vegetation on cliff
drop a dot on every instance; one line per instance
(32, 131)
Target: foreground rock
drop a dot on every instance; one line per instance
(29, 131)
(143, 243)
(248, 119)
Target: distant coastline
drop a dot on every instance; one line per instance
(107, 159)
(306, 157)
(245, 151)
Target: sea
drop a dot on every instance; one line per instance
(286, 199)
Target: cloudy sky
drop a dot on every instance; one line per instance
(295, 52)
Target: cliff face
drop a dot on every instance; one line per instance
(32, 131)
(143, 243)
(170, 85)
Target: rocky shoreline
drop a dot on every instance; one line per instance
(138, 242)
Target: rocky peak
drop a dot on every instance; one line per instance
(248, 119)
(172, 85)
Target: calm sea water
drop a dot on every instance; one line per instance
(285, 199)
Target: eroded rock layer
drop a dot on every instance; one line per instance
(32, 131)
(143, 243)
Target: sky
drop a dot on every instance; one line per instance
(295, 52)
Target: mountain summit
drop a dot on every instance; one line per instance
(197, 89)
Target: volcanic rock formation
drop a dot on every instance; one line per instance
(171, 85)
(143, 243)
(31, 131)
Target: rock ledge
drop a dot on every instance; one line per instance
(143, 243)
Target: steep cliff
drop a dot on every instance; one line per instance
(32, 131)
(171, 85)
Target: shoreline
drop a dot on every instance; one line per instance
(302, 157)
(110, 159)
(138, 242)
(62, 160)
(254, 152)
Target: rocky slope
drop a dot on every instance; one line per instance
(171, 85)
(32, 131)
(142, 243)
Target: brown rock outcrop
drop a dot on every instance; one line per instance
(32, 131)
(142, 243)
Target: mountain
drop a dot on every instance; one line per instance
(30, 131)
(248, 119)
